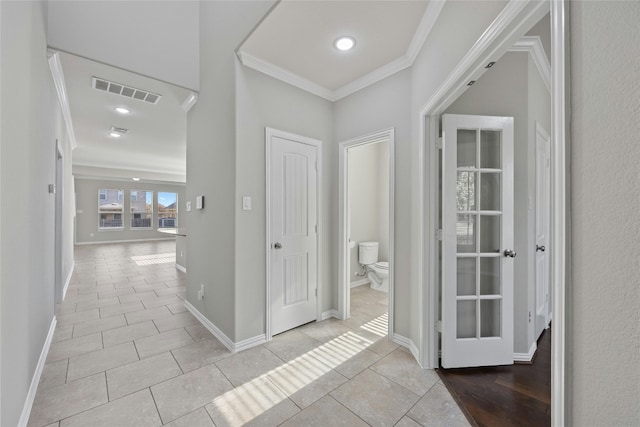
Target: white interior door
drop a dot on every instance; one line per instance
(477, 243)
(543, 212)
(293, 233)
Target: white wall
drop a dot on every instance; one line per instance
(604, 300)
(262, 101)
(513, 87)
(28, 130)
(369, 200)
(157, 39)
(87, 230)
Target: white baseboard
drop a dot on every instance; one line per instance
(360, 282)
(66, 283)
(181, 268)
(124, 241)
(35, 380)
(329, 313)
(233, 347)
(406, 342)
(526, 357)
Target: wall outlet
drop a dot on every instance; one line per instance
(189, 206)
(201, 293)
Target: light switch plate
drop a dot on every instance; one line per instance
(246, 203)
(199, 202)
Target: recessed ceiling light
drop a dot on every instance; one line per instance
(122, 110)
(344, 43)
(136, 179)
(115, 134)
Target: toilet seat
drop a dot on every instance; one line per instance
(382, 265)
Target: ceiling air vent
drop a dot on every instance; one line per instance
(119, 130)
(126, 91)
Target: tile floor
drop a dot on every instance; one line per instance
(127, 353)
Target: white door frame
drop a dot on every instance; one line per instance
(514, 20)
(269, 134)
(344, 311)
(59, 207)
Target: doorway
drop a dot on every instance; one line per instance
(359, 192)
(293, 176)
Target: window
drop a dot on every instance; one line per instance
(141, 209)
(110, 208)
(167, 210)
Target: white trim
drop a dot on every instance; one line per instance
(407, 343)
(225, 340)
(343, 227)
(269, 134)
(66, 282)
(526, 357)
(58, 80)
(357, 283)
(286, 76)
(420, 36)
(249, 343)
(123, 241)
(35, 380)
(533, 45)
(181, 268)
(329, 313)
(189, 102)
(559, 269)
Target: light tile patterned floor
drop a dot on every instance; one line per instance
(127, 353)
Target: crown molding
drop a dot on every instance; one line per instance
(58, 80)
(190, 101)
(286, 76)
(533, 45)
(427, 22)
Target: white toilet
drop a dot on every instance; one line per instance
(377, 271)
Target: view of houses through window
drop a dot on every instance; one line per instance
(167, 209)
(141, 208)
(111, 209)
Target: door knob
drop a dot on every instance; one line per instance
(509, 253)
(277, 245)
(540, 248)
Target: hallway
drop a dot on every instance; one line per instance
(127, 353)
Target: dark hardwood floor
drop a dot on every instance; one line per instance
(516, 395)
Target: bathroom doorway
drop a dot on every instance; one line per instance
(366, 211)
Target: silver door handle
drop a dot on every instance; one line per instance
(540, 248)
(277, 245)
(509, 253)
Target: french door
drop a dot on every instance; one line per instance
(477, 241)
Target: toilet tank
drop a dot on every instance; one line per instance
(368, 253)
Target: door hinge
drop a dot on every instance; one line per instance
(439, 326)
(438, 234)
(439, 143)
(529, 317)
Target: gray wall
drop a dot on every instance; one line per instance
(28, 131)
(262, 101)
(369, 200)
(87, 202)
(211, 161)
(513, 87)
(604, 349)
(381, 106)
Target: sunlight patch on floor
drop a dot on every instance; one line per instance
(378, 326)
(245, 403)
(154, 259)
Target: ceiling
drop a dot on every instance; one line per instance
(294, 42)
(155, 143)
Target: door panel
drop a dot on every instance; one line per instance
(542, 230)
(293, 248)
(477, 275)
